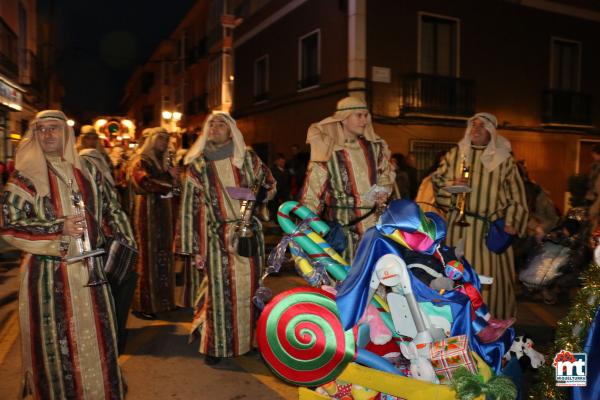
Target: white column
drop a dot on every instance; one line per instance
(226, 83)
(228, 24)
(357, 45)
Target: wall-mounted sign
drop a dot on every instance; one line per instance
(381, 74)
(10, 96)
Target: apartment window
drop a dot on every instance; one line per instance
(178, 95)
(24, 56)
(147, 82)
(147, 115)
(23, 29)
(565, 65)
(214, 86)
(181, 52)
(8, 49)
(309, 59)
(438, 45)
(166, 72)
(261, 78)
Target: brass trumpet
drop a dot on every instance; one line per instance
(246, 242)
(176, 190)
(461, 197)
(83, 244)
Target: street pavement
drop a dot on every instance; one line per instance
(159, 363)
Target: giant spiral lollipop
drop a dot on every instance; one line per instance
(301, 338)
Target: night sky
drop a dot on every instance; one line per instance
(99, 43)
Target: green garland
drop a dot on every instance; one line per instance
(570, 333)
(469, 386)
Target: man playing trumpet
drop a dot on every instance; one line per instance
(219, 165)
(68, 331)
(496, 191)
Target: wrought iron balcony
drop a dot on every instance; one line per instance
(566, 108)
(423, 94)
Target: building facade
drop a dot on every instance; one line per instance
(424, 67)
(20, 90)
(183, 79)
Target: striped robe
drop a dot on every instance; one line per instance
(335, 189)
(68, 331)
(153, 227)
(501, 191)
(224, 314)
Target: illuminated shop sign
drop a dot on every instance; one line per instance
(10, 96)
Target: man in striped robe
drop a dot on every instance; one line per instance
(153, 180)
(224, 314)
(497, 191)
(68, 329)
(349, 172)
(93, 156)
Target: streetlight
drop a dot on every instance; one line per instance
(71, 123)
(128, 124)
(129, 128)
(171, 118)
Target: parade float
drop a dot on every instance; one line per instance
(373, 330)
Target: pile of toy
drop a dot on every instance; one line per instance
(408, 311)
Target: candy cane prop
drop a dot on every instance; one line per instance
(312, 249)
(318, 250)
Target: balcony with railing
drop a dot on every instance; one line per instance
(438, 96)
(8, 51)
(561, 107)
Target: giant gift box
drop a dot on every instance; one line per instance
(449, 354)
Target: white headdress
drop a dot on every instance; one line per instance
(30, 159)
(323, 136)
(239, 147)
(496, 151)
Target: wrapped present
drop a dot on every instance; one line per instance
(396, 387)
(449, 354)
(337, 389)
